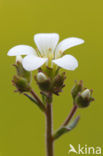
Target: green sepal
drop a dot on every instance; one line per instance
(66, 129)
(33, 100)
(78, 87)
(45, 86)
(82, 102)
(49, 72)
(58, 83)
(21, 84)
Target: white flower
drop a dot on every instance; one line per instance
(48, 52)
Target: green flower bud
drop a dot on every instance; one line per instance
(43, 81)
(21, 84)
(81, 96)
(84, 98)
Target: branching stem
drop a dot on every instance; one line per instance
(48, 114)
(38, 99)
(73, 111)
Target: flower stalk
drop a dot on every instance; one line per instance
(49, 140)
(73, 111)
(65, 127)
(38, 99)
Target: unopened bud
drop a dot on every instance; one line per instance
(21, 84)
(43, 81)
(41, 77)
(81, 96)
(84, 98)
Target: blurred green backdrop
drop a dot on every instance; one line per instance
(22, 125)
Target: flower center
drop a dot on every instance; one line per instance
(47, 54)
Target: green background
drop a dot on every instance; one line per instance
(22, 125)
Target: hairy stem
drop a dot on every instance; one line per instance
(73, 111)
(38, 99)
(49, 140)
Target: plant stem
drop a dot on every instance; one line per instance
(73, 111)
(49, 140)
(38, 99)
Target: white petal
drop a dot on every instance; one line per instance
(21, 50)
(32, 62)
(46, 42)
(19, 58)
(66, 44)
(67, 62)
